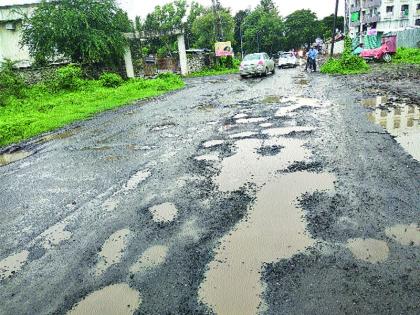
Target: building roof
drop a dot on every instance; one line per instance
(9, 4)
(13, 10)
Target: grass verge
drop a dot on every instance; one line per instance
(211, 72)
(407, 55)
(40, 110)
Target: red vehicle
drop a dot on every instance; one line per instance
(385, 52)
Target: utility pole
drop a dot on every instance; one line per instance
(240, 35)
(334, 27)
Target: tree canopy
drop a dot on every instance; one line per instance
(83, 31)
(302, 28)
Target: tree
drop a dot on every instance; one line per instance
(263, 31)
(327, 25)
(239, 19)
(302, 28)
(83, 31)
(204, 30)
(196, 10)
(268, 6)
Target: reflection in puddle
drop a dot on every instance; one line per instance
(273, 230)
(208, 158)
(212, 143)
(136, 179)
(370, 250)
(151, 258)
(115, 299)
(165, 212)
(249, 166)
(112, 251)
(55, 235)
(402, 122)
(12, 264)
(374, 101)
(7, 158)
(250, 120)
(408, 235)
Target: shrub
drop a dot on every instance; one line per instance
(110, 80)
(67, 78)
(347, 63)
(407, 55)
(11, 83)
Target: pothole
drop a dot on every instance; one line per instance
(207, 158)
(369, 250)
(245, 134)
(252, 120)
(115, 299)
(151, 258)
(212, 143)
(273, 132)
(136, 179)
(7, 158)
(55, 235)
(164, 213)
(112, 251)
(297, 102)
(408, 235)
(13, 264)
(273, 230)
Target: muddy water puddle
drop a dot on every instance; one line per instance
(273, 230)
(251, 120)
(297, 103)
(136, 179)
(55, 235)
(286, 130)
(59, 136)
(7, 158)
(408, 235)
(207, 158)
(163, 213)
(369, 250)
(212, 143)
(13, 264)
(112, 251)
(401, 121)
(151, 258)
(115, 299)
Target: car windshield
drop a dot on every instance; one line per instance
(252, 57)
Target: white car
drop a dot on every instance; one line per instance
(257, 64)
(287, 59)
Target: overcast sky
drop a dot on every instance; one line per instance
(143, 7)
(321, 7)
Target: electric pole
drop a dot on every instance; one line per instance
(334, 27)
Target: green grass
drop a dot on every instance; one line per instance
(345, 65)
(211, 72)
(41, 111)
(407, 55)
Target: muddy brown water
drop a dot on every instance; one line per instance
(115, 299)
(165, 212)
(55, 235)
(7, 158)
(274, 229)
(151, 258)
(370, 250)
(408, 235)
(13, 264)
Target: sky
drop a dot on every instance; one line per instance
(142, 7)
(321, 7)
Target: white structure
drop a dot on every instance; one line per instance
(10, 32)
(382, 15)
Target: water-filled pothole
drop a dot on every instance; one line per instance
(13, 264)
(7, 158)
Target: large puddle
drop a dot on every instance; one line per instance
(408, 235)
(7, 158)
(401, 121)
(273, 230)
(13, 264)
(151, 258)
(369, 250)
(112, 251)
(163, 213)
(115, 299)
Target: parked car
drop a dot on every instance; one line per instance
(257, 64)
(385, 52)
(287, 59)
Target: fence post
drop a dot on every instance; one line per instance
(182, 55)
(128, 63)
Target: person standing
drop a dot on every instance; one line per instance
(312, 55)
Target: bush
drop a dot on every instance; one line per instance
(347, 63)
(407, 55)
(110, 80)
(11, 83)
(67, 78)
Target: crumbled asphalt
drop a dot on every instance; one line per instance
(377, 186)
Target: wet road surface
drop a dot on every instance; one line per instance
(290, 194)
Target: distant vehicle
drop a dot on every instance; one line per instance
(257, 64)
(287, 59)
(385, 52)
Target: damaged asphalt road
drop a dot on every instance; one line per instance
(291, 194)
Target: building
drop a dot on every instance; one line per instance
(382, 16)
(11, 17)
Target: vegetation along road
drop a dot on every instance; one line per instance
(290, 194)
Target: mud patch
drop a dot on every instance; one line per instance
(270, 150)
(115, 299)
(162, 127)
(273, 230)
(272, 99)
(370, 250)
(304, 166)
(8, 158)
(408, 235)
(55, 235)
(112, 251)
(13, 264)
(151, 258)
(164, 213)
(59, 136)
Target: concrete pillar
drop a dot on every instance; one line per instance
(129, 63)
(182, 55)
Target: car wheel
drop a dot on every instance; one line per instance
(387, 58)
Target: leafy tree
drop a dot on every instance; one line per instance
(196, 10)
(264, 31)
(239, 30)
(327, 25)
(84, 31)
(268, 6)
(203, 28)
(302, 28)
